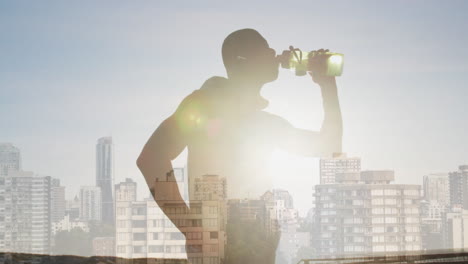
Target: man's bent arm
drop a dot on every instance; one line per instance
(155, 164)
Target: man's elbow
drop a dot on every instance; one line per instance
(141, 162)
(331, 143)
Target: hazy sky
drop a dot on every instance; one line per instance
(74, 71)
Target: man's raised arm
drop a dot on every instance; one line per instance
(331, 133)
(312, 143)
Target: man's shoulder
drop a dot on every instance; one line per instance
(212, 89)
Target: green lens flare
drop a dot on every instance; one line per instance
(191, 117)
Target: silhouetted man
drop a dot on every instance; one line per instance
(228, 133)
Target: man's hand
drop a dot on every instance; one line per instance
(318, 66)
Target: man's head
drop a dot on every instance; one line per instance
(246, 55)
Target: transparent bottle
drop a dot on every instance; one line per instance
(327, 63)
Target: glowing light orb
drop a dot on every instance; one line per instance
(336, 59)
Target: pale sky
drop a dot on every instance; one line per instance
(71, 72)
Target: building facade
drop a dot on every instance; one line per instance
(104, 177)
(10, 158)
(363, 214)
(286, 217)
(331, 167)
(455, 229)
(432, 216)
(27, 211)
(58, 201)
(144, 231)
(436, 188)
(104, 246)
(458, 185)
(90, 203)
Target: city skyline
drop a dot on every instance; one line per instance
(402, 218)
(343, 159)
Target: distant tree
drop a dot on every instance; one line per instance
(80, 243)
(73, 242)
(98, 229)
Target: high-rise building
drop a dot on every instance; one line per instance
(26, 209)
(126, 191)
(72, 208)
(144, 231)
(455, 229)
(436, 203)
(209, 188)
(432, 215)
(10, 158)
(284, 196)
(458, 185)
(26, 216)
(42, 209)
(331, 167)
(436, 188)
(363, 214)
(283, 216)
(57, 201)
(90, 203)
(104, 177)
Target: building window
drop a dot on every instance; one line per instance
(139, 223)
(210, 222)
(158, 223)
(194, 235)
(139, 236)
(211, 260)
(177, 236)
(391, 192)
(155, 236)
(194, 249)
(120, 249)
(196, 210)
(175, 249)
(121, 211)
(139, 211)
(213, 248)
(212, 209)
(175, 210)
(213, 235)
(156, 249)
(197, 260)
(121, 224)
(139, 249)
